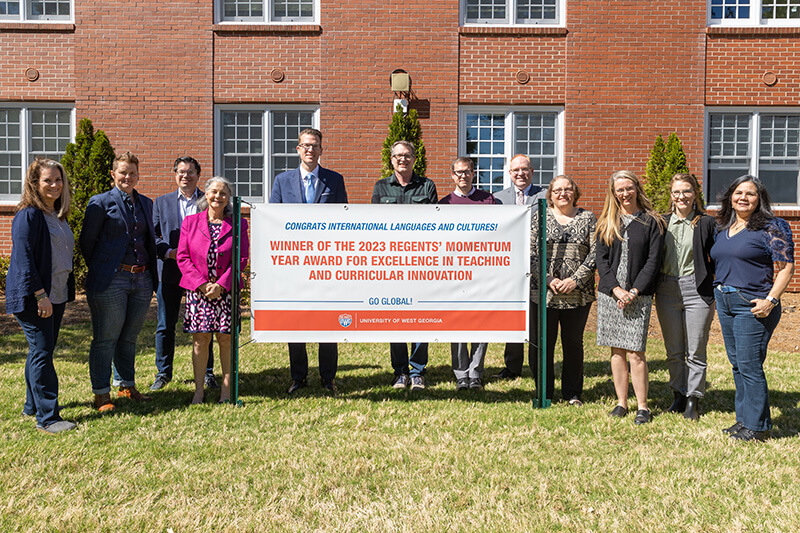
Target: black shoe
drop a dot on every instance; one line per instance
(618, 412)
(642, 417)
(462, 384)
(57, 427)
(679, 405)
(159, 383)
(329, 386)
(733, 429)
(747, 435)
(211, 382)
(476, 384)
(297, 385)
(505, 374)
(691, 408)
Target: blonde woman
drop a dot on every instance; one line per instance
(630, 239)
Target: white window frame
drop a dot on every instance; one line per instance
(753, 20)
(219, 16)
(267, 132)
(754, 144)
(25, 136)
(511, 10)
(26, 15)
(510, 133)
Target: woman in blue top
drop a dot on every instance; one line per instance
(40, 283)
(751, 245)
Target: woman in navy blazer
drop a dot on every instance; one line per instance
(40, 283)
(118, 242)
(205, 257)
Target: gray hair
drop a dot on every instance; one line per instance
(408, 144)
(202, 203)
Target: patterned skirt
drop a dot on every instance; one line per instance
(207, 316)
(623, 328)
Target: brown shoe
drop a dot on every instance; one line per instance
(133, 394)
(103, 403)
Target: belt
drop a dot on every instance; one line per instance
(134, 269)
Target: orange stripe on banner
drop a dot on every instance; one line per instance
(391, 320)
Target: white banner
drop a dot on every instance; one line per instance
(390, 273)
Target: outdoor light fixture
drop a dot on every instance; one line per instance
(401, 87)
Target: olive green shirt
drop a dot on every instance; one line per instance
(678, 244)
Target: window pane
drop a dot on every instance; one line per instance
(533, 11)
(243, 9)
(780, 9)
(489, 157)
(730, 9)
(243, 165)
(728, 151)
(486, 11)
(10, 156)
(292, 10)
(49, 132)
(535, 136)
(779, 156)
(50, 9)
(286, 128)
(9, 10)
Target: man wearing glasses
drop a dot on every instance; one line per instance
(521, 192)
(310, 184)
(467, 364)
(406, 187)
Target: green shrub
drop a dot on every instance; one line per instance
(404, 128)
(4, 261)
(88, 163)
(666, 160)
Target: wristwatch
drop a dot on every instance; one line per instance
(773, 301)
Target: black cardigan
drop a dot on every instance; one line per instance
(645, 248)
(702, 241)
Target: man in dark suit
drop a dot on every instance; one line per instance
(169, 211)
(310, 184)
(521, 192)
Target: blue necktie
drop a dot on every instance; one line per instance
(310, 192)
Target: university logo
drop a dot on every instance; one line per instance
(345, 320)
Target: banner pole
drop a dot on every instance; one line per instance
(541, 400)
(236, 299)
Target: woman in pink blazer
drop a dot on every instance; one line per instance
(205, 251)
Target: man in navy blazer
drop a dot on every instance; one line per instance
(310, 184)
(169, 210)
(521, 192)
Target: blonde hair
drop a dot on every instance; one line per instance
(610, 219)
(31, 196)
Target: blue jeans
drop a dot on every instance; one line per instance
(746, 339)
(118, 315)
(169, 296)
(41, 381)
(400, 361)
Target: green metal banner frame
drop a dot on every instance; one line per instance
(236, 319)
(541, 401)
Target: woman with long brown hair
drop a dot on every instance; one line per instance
(630, 238)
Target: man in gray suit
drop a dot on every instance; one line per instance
(310, 184)
(522, 192)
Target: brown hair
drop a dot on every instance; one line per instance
(698, 201)
(31, 196)
(577, 193)
(464, 161)
(310, 131)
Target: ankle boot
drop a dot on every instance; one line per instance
(679, 404)
(691, 408)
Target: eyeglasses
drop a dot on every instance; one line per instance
(565, 190)
(401, 157)
(686, 193)
(308, 147)
(462, 173)
(523, 170)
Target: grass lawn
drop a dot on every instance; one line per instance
(376, 459)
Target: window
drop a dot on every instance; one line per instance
(512, 12)
(27, 132)
(267, 11)
(492, 136)
(754, 12)
(32, 10)
(764, 143)
(256, 144)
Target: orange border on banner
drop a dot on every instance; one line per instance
(389, 320)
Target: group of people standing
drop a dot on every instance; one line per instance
(689, 262)
(126, 245)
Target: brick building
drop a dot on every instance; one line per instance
(582, 87)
